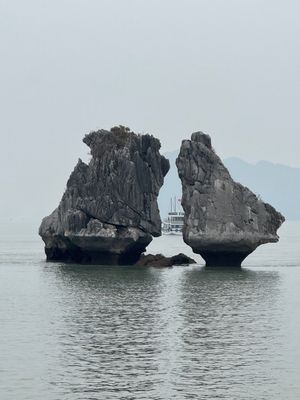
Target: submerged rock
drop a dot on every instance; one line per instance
(159, 260)
(109, 213)
(224, 221)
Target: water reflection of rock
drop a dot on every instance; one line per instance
(180, 330)
(231, 320)
(111, 314)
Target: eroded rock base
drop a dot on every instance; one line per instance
(76, 255)
(81, 257)
(64, 250)
(224, 259)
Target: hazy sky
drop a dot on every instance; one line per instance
(230, 68)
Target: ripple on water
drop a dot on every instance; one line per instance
(88, 332)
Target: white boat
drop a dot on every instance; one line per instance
(173, 224)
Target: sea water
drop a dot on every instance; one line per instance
(99, 332)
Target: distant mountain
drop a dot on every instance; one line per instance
(276, 184)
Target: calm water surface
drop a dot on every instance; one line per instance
(90, 332)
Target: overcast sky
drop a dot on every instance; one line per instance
(229, 68)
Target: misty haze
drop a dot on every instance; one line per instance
(149, 212)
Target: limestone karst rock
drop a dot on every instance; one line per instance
(224, 221)
(109, 213)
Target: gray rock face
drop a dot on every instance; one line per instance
(109, 212)
(224, 221)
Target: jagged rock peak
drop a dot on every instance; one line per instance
(224, 221)
(201, 138)
(109, 210)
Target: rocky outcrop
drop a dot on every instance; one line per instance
(108, 213)
(160, 261)
(224, 221)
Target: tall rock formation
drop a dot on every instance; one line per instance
(108, 213)
(224, 221)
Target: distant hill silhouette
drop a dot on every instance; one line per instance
(276, 184)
